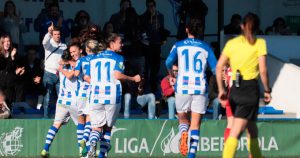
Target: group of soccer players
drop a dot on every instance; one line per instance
(95, 82)
(90, 93)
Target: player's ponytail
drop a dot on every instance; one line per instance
(252, 20)
(111, 38)
(92, 45)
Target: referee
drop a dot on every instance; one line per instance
(247, 57)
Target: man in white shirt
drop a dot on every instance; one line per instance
(54, 48)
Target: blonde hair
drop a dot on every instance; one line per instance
(2, 42)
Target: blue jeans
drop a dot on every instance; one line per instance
(171, 107)
(142, 100)
(51, 83)
(216, 108)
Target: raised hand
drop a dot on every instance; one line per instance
(137, 78)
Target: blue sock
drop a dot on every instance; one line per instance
(104, 144)
(87, 131)
(95, 136)
(194, 141)
(50, 136)
(183, 127)
(80, 129)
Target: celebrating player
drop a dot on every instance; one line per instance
(104, 72)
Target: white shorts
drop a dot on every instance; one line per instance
(188, 102)
(104, 114)
(63, 114)
(83, 105)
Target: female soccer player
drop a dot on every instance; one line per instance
(191, 90)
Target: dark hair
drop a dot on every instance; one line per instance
(5, 7)
(66, 56)
(278, 20)
(235, 16)
(54, 5)
(253, 21)
(74, 43)
(150, 1)
(195, 27)
(2, 92)
(111, 38)
(56, 28)
(122, 1)
(77, 17)
(105, 26)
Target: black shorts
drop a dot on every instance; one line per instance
(244, 100)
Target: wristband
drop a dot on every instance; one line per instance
(269, 91)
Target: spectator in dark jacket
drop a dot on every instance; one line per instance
(153, 22)
(8, 68)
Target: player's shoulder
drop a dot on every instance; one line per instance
(260, 40)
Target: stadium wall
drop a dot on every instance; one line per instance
(145, 138)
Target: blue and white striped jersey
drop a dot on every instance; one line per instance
(82, 65)
(192, 56)
(105, 89)
(68, 89)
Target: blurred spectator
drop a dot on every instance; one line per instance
(12, 24)
(8, 69)
(141, 91)
(4, 110)
(53, 50)
(234, 26)
(108, 28)
(279, 27)
(55, 17)
(92, 31)
(191, 9)
(167, 87)
(33, 75)
(153, 22)
(143, 96)
(132, 35)
(213, 97)
(118, 18)
(81, 21)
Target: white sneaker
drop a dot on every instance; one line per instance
(40, 102)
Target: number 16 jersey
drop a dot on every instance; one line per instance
(193, 56)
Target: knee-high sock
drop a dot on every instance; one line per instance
(50, 136)
(104, 144)
(80, 129)
(226, 134)
(230, 147)
(194, 141)
(253, 147)
(95, 136)
(87, 131)
(183, 127)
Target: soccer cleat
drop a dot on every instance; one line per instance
(183, 143)
(92, 152)
(44, 153)
(107, 150)
(84, 151)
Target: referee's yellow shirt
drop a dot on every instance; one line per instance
(244, 57)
